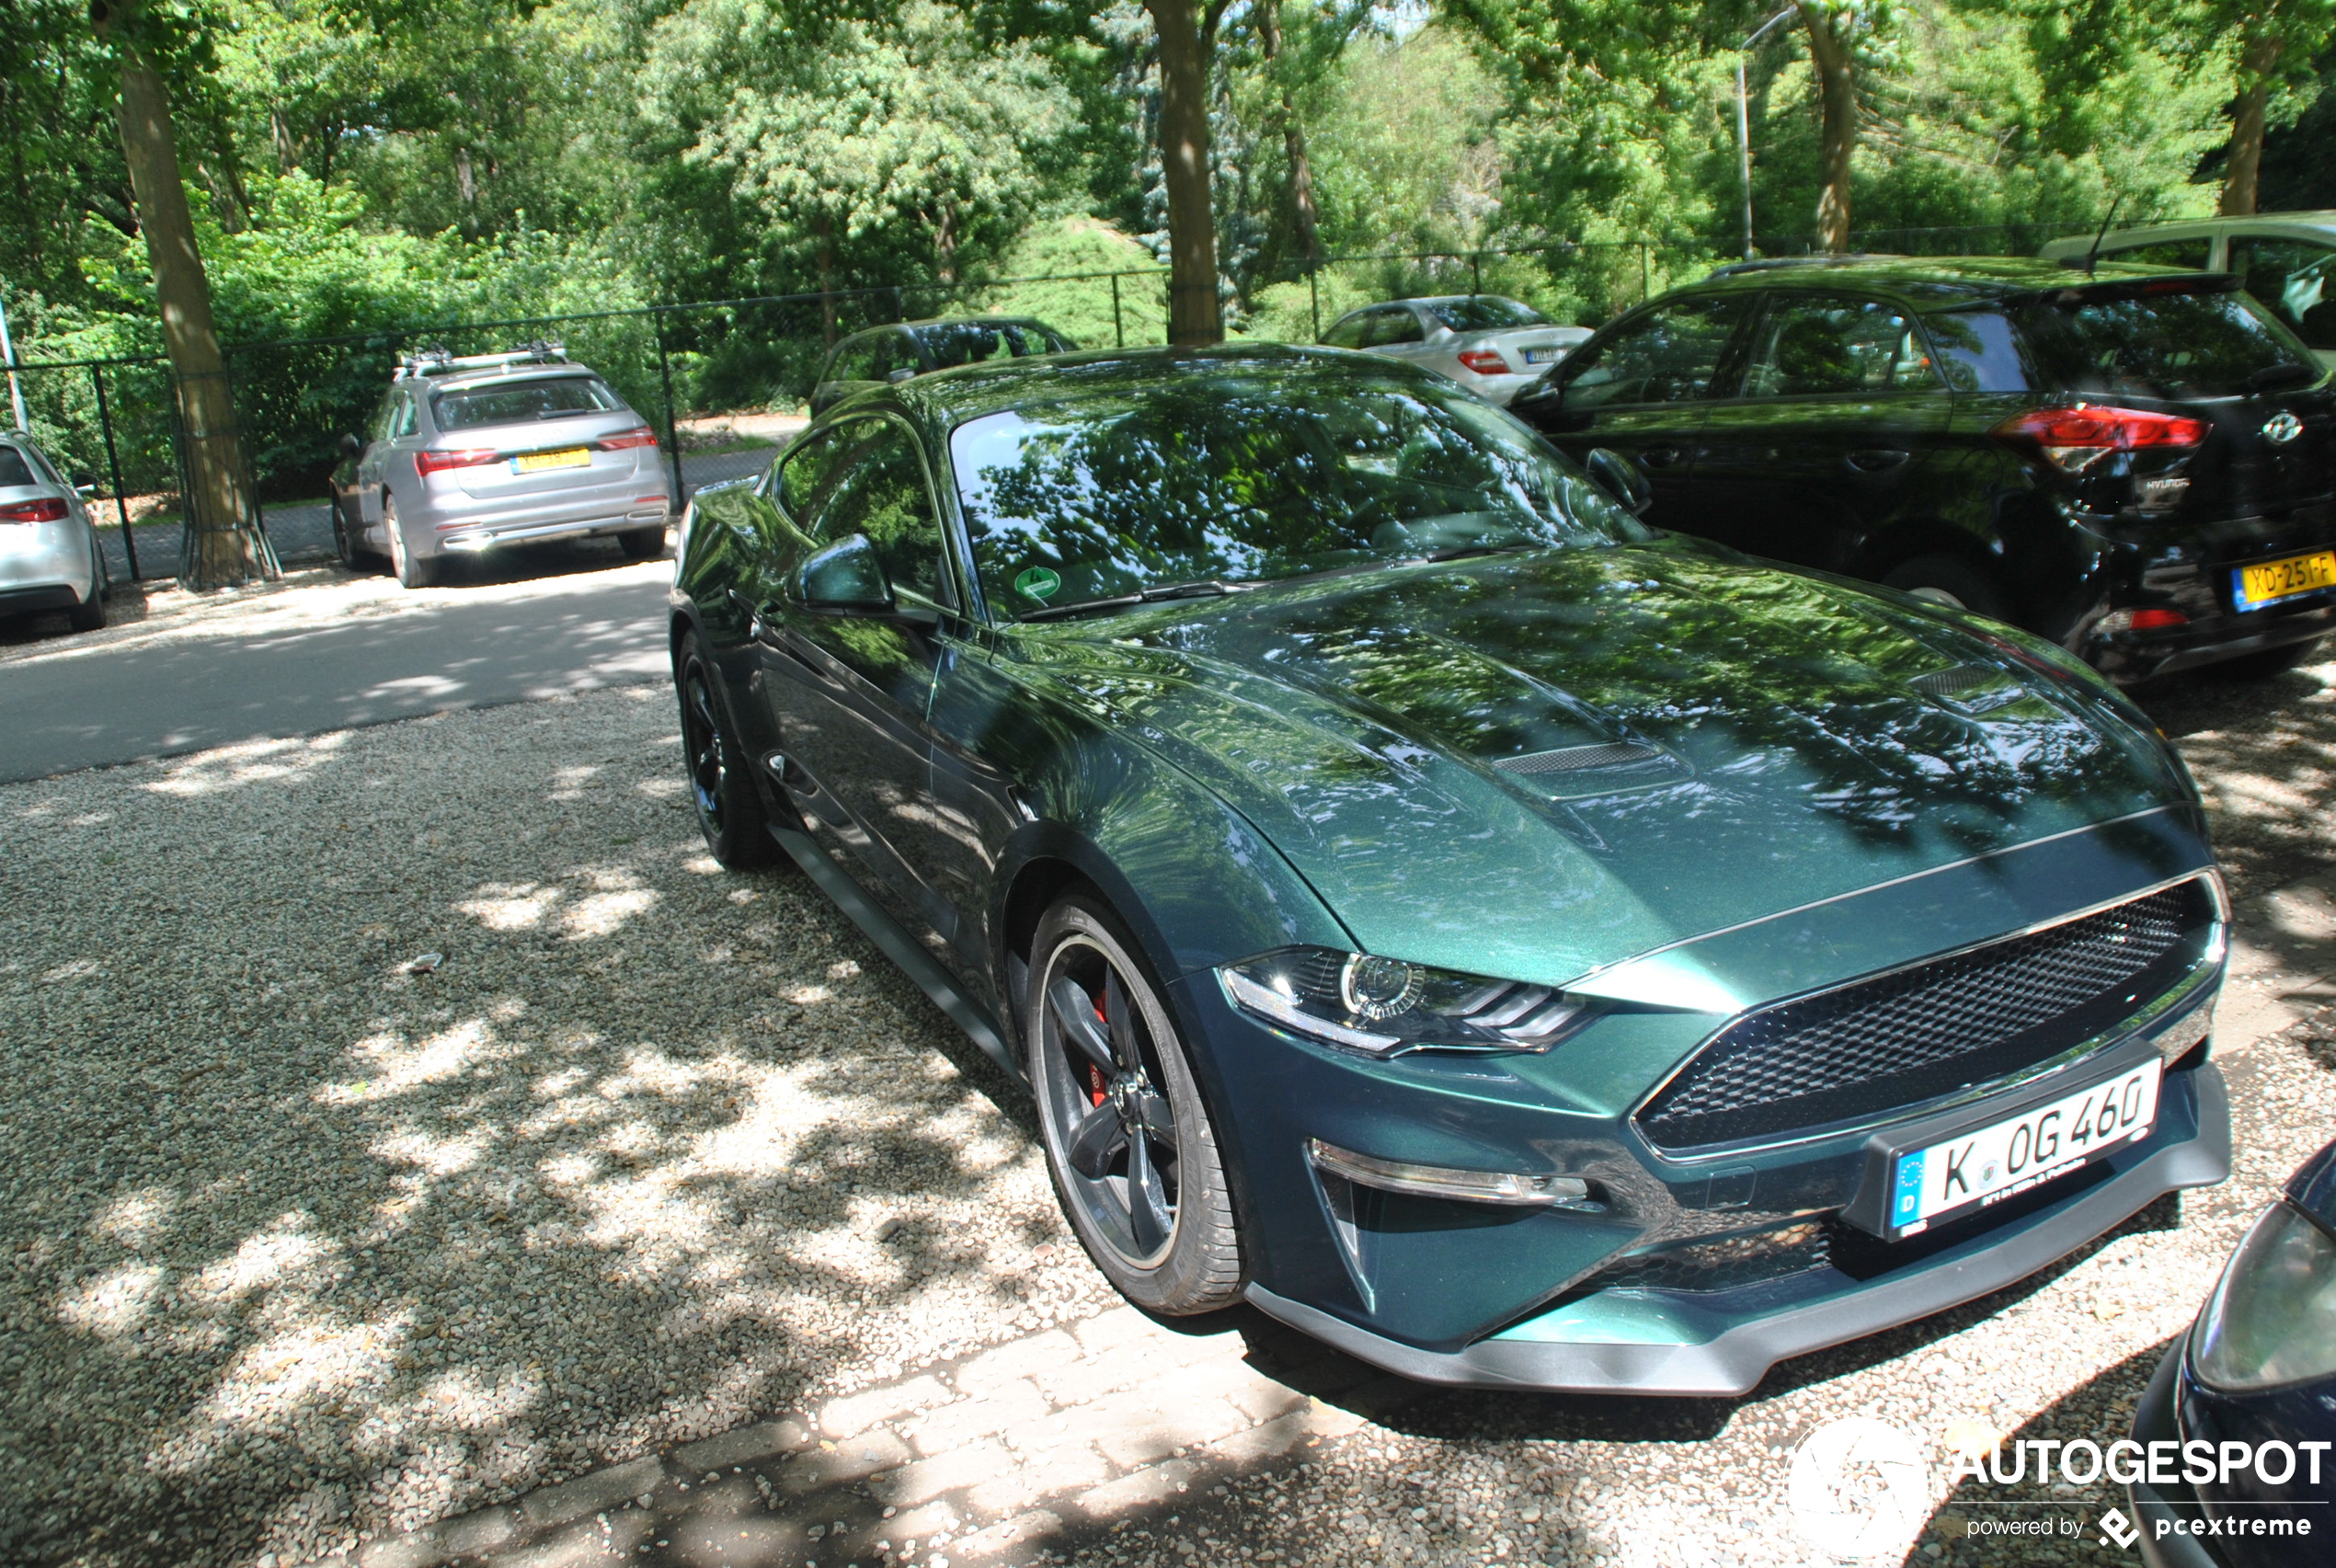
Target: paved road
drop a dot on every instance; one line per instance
(367, 657)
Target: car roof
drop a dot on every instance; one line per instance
(2317, 222)
(537, 370)
(1937, 280)
(944, 321)
(947, 398)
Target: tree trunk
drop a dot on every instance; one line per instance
(1838, 96)
(825, 228)
(2244, 163)
(228, 547)
(1304, 218)
(1194, 318)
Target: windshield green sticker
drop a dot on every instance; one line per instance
(1040, 583)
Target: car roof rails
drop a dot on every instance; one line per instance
(436, 362)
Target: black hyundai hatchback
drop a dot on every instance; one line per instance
(2136, 463)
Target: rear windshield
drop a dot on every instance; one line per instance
(1483, 313)
(524, 402)
(2166, 346)
(14, 470)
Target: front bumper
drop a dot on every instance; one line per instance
(1724, 1344)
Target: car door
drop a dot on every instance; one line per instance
(376, 465)
(1826, 434)
(1640, 387)
(2290, 278)
(850, 693)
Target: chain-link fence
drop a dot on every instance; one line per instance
(114, 425)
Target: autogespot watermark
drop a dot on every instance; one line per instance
(1861, 1487)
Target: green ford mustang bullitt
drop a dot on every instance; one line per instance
(1516, 946)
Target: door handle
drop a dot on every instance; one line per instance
(1658, 457)
(758, 619)
(1875, 459)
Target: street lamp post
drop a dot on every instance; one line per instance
(1744, 124)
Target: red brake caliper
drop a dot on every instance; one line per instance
(1097, 1088)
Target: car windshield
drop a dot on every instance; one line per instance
(971, 342)
(524, 402)
(1204, 478)
(13, 469)
(2183, 345)
(1483, 313)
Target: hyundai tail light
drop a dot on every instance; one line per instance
(467, 457)
(2075, 438)
(48, 508)
(1485, 361)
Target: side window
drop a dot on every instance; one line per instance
(895, 352)
(2190, 253)
(881, 492)
(2289, 278)
(807, 471)
(1349, 332)
(855, 360)
(1395, 324)
(377, 428)
(1668, 355)
(1979, 350)
(402, 417)
(1811, 347)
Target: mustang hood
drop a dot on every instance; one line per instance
(1535, 766)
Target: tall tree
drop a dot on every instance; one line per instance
(1843, 35)
(1188, 35)
(227, 549)
(1305, 219)
(2275, 38)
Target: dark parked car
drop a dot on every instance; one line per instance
(2258, 1370)
(1517, 947)
(2139, 464)
(884, 354)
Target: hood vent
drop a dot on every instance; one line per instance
(1580, 758)
(1954, 677)
(1974, 688)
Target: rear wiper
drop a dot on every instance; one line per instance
(1460, 552)
(2278, 378)
(1202, 588)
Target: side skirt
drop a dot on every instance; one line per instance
(901, 948)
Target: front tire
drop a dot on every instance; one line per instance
(730, 813)
(413, 571)
(1128, 1138)
(349, 538)
(1942, 579)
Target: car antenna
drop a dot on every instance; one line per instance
(2092, 257)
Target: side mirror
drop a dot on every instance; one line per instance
(1620, 478)
(846, 579)
(903, 374)
(351, 446)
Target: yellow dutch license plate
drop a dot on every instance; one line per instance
(536, 462)
(2256, 586)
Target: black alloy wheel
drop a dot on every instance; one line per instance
(1128, 1140)
(728, 813)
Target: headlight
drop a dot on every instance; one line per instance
(1381, 1006)
(2271, 1320)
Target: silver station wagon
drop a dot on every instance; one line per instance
(49, 555)
(467, 454)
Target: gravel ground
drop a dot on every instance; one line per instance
(297, 1247)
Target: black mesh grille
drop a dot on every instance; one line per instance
(1930, 1030)
(1724, 1264)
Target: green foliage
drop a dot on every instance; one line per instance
(1069, 249)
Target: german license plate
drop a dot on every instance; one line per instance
(566, 457)
(2252, 586)
(1543, 356)
(1974, 1170)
